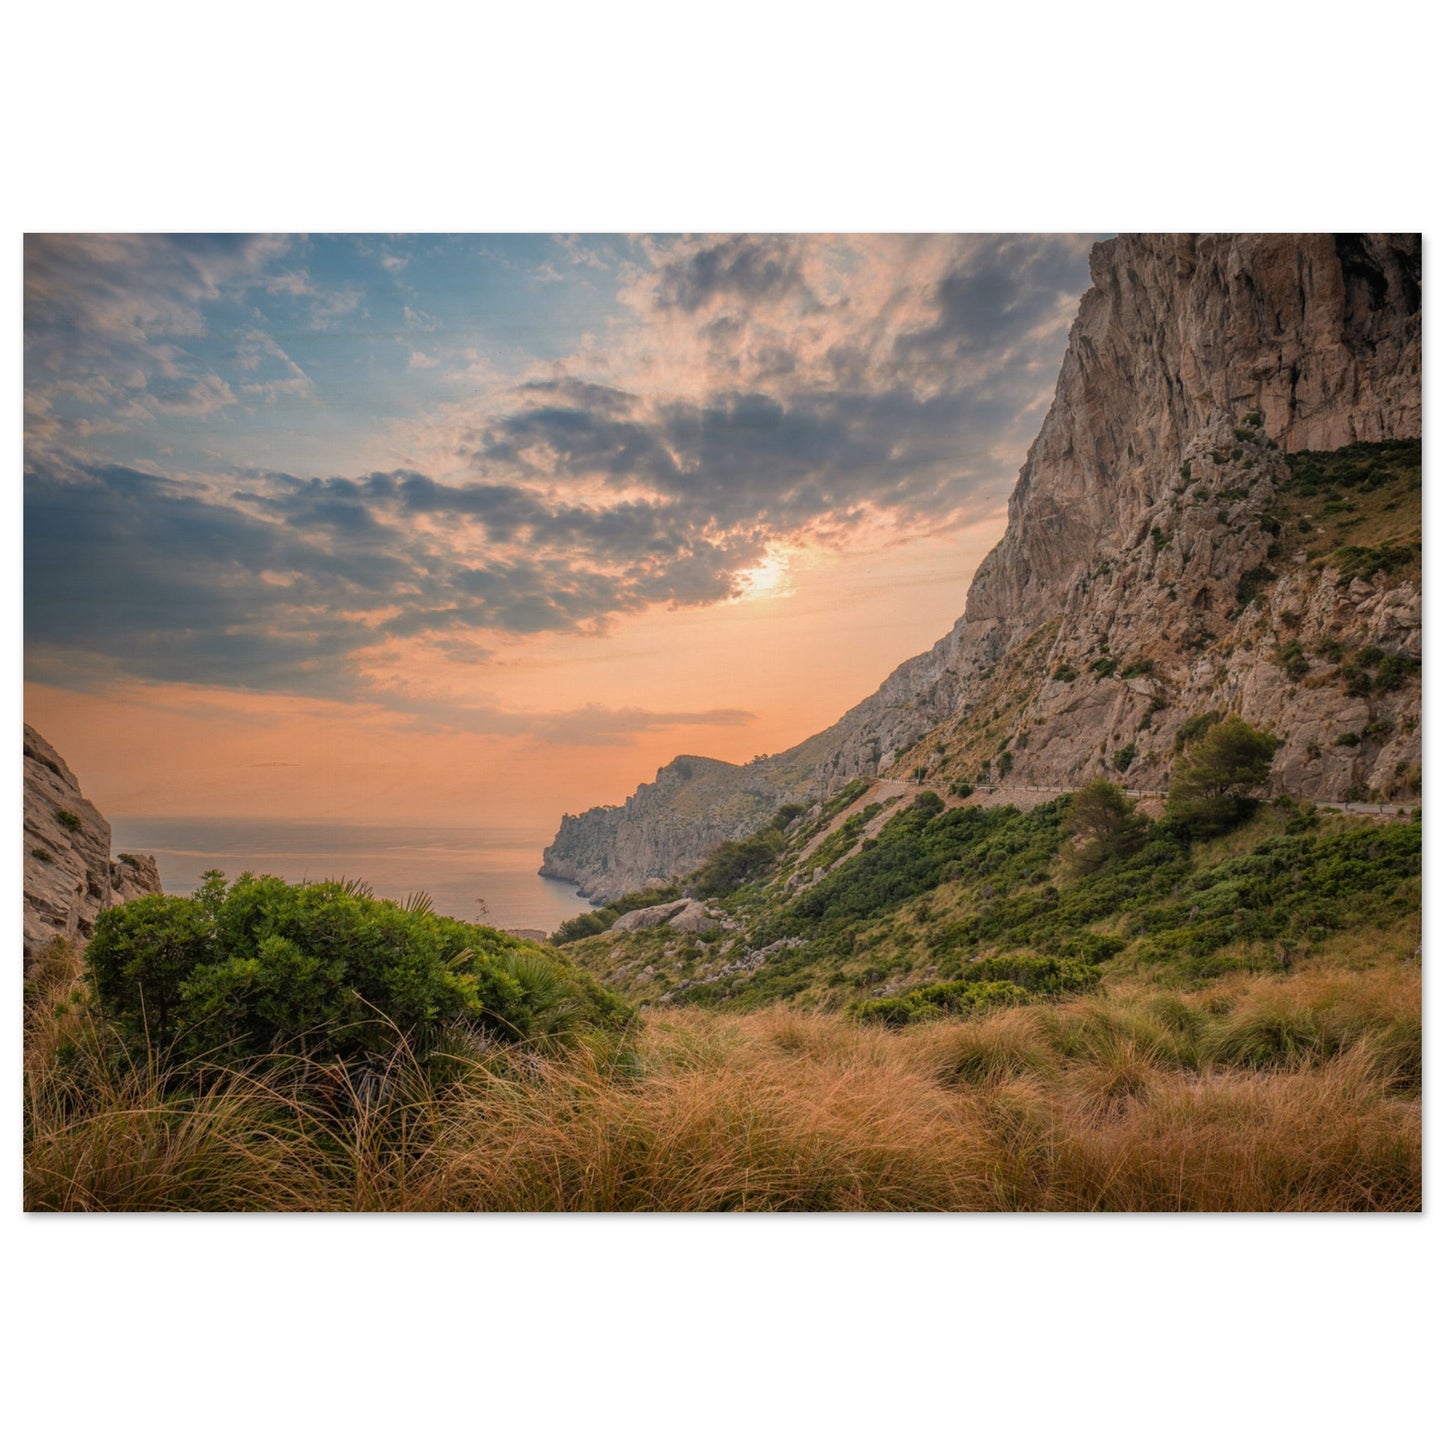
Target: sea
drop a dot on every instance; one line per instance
(476, 874)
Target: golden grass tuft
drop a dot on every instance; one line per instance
(1294, 1093)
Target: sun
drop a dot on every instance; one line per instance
(770, 578)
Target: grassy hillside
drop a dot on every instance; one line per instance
(963, 895)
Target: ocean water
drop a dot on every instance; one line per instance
(457, 866)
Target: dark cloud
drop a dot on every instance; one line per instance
(580, 442)
(744, 269)
(992, 300)
(276, 586)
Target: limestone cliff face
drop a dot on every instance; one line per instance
(1153, 568)
(69, 873)
(1179, 337)
(693, 805)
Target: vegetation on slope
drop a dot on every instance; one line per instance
(1077, 1007)
(1356, 509)
(947, 900)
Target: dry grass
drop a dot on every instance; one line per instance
(1299, 1093)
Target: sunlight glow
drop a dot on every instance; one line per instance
(770, 578)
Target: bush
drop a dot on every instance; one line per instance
(935, 1001)
(67, 820)
(1393, 671)
(927, 805)
(236, 973)
(1291, 658)
(1251, 583)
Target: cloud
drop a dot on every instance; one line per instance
(112, 322)
(752, 391)
(329, 306)
(744, 269)
(615, 727)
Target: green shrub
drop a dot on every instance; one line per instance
(264, 965)
(1393, 670)
(1354, 561)
(734, 863)
(1293, 660)
(1251, 583)
(67, 820)
(936, 1001)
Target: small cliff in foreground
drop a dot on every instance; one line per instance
(69, 873)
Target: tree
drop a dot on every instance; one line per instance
(1211, 789)
(1104, 825)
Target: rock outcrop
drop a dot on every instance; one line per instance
(1155, 566)
(687, 915)
(69, 873)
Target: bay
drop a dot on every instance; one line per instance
(477, 874)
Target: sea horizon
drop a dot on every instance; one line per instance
(479, 874)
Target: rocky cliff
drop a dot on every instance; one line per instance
(1177, 544)
(693, 805)
(69, 873)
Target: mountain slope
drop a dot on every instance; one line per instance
(1176, 545)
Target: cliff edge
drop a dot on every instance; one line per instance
(69, 873)
(1220, 513)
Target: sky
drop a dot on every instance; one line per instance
(481, 529)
